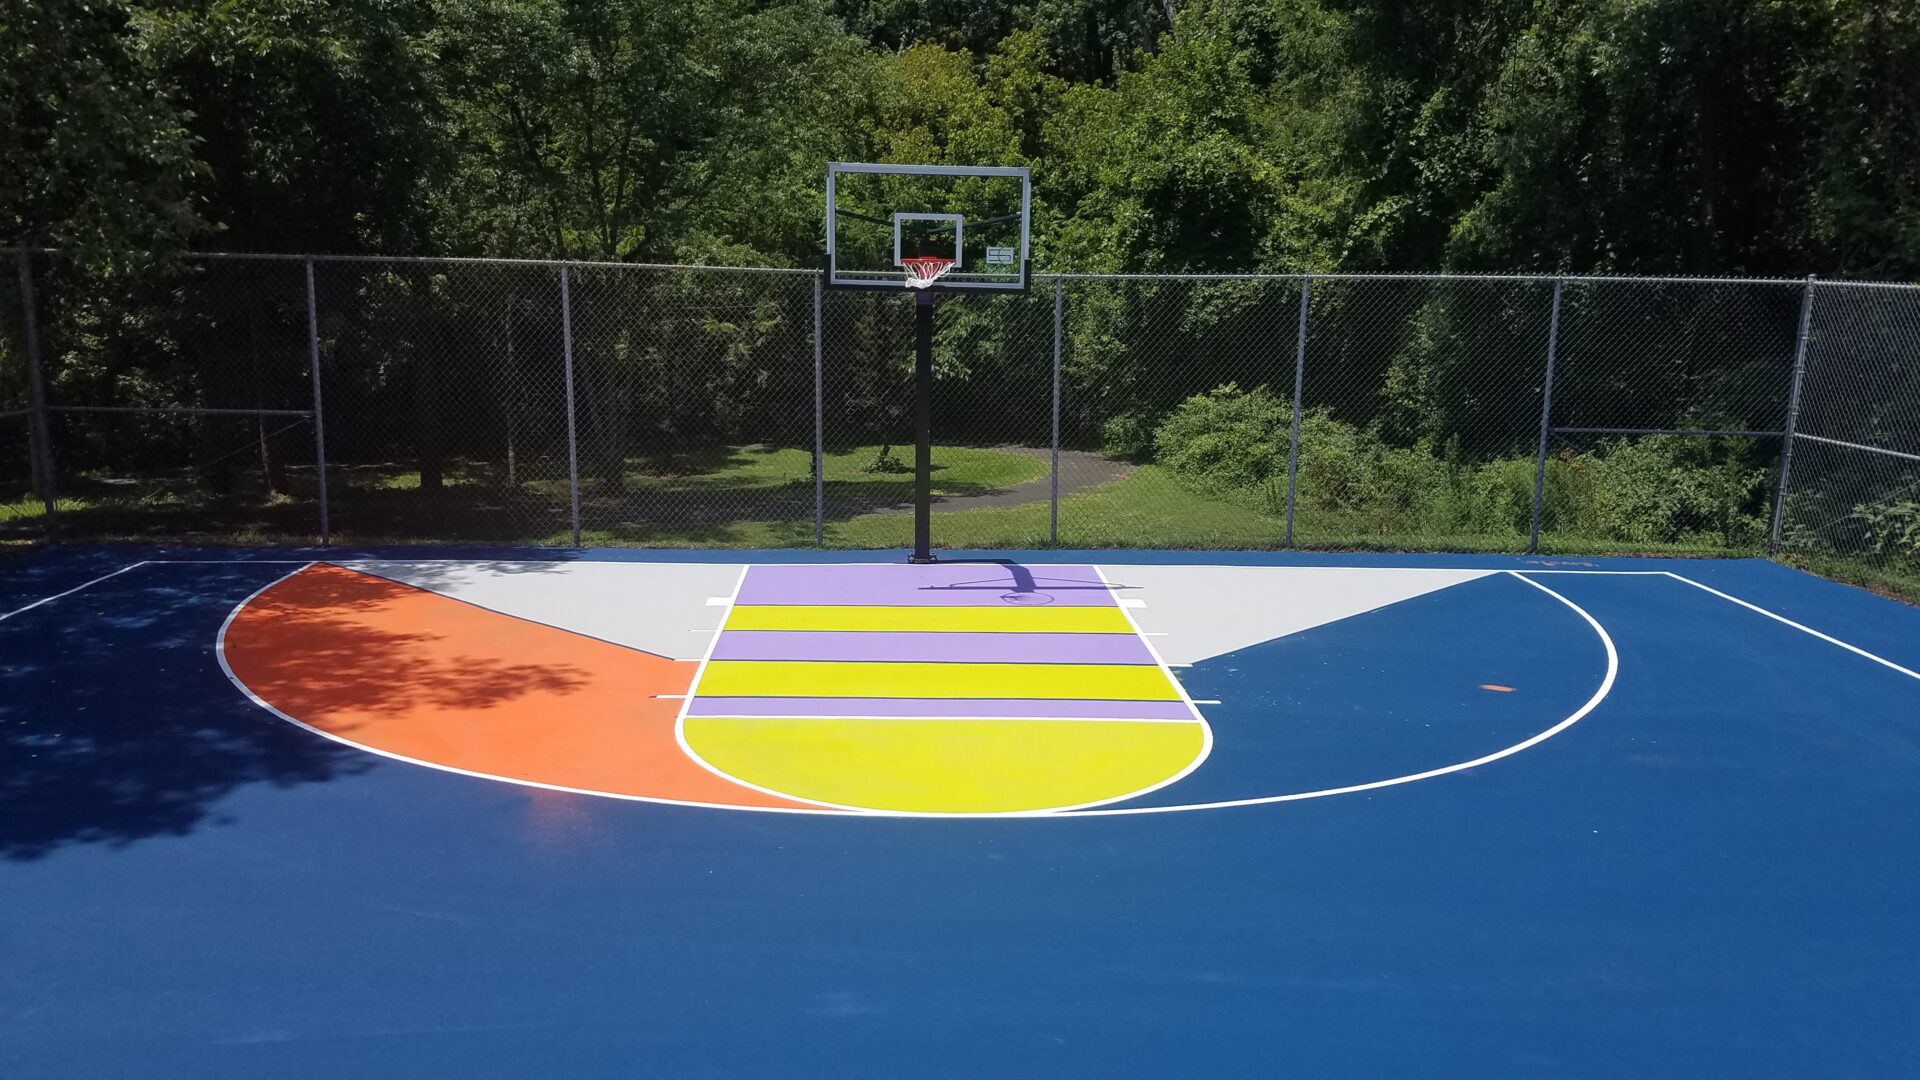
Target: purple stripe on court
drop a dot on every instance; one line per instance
(977, 648)
(955, 584)
(965, 707)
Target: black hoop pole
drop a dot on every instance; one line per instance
(923, 427)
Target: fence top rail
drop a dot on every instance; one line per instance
(243, 256)
(1824, 283)
(1901, 454)
(280, 256)
(1437, 275)
(1069, 275)
(1709, 433)
(182, 410)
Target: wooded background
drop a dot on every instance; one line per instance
(1761, 137)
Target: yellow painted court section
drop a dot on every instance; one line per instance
(948, 766)
(1032, 620)
(813, 678)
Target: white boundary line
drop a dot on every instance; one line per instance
(1599, 695)
(984, 564)
(1802, 627)
(827, 809)
(70, 592)
(1606, 687)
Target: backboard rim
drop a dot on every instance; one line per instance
(838, 279)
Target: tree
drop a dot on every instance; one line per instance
(95, 147)
(311, 120)
(600, 127)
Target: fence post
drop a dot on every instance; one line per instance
(1053, 513)
(819, 420)
(1793, 418)
(319, 414)
(40, 431)
(1546, 420)
(1299, 378)
(573, 432)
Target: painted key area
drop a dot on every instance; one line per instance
(962, 688)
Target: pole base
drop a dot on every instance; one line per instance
(922, 560)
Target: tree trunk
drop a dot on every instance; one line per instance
(272, 471)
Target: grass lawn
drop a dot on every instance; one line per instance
(1152, 509)
(763, 497)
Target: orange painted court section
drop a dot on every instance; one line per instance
(403, 670)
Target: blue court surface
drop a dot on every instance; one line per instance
(434, 812)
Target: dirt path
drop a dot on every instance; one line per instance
(1080, 470)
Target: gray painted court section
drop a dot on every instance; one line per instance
(1206, 611)
(655, 607)
(1192, 613)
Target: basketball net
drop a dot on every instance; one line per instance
(924, 270)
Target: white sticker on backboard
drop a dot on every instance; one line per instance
(999, 256)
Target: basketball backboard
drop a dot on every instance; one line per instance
(879, 215)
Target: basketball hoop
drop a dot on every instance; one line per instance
(924, 270)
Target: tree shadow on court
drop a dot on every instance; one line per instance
(345, 657)
(117, 724)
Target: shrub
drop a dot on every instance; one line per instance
(1892, 529)
(1658, 489)
(1234, 443)
(1226, 440)
(1671, 488)
(1127, 438)
(1501, 496)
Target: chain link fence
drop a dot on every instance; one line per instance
(1668, 413)
(1852, 480)
(370, 400)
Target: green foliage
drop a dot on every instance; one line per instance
(314, 121)
(1203, 134)
(1227, 439)
(1127, 437)
(95, 144)
(1892, 529)
(596, 128)
(886, 462)
(1235, 443)
(1672, 488)
(1650, 491)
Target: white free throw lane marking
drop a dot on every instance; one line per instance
(70, 592)
(1802, 627)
